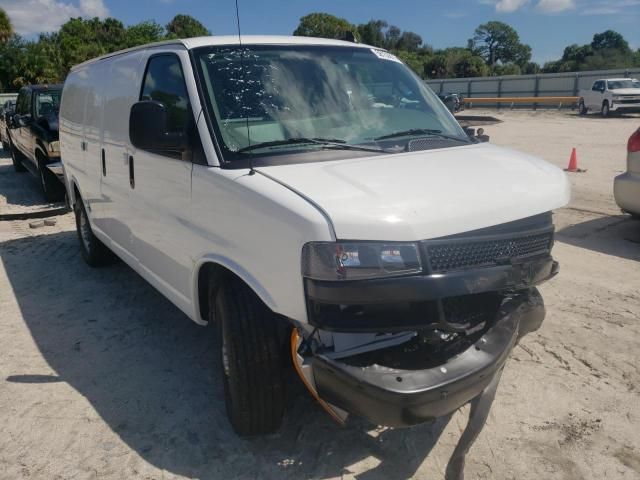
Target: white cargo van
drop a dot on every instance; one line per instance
(318, 203)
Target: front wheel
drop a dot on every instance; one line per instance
(605, 109)
(252, 359)
(52, 188)
(582, 108)
(93, 251)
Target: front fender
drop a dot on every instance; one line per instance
(235, 268)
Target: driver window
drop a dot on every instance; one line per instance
(164, 82)
(24, 103)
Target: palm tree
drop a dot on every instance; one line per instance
(6, 30)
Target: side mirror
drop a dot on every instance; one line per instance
(148, 128)
(478, 136)
(13, 120)
(22, 120)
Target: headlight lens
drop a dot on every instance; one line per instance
(359, 260)
(54, 147)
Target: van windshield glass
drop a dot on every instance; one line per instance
(269, 94)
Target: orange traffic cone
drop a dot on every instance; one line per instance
(573, 162)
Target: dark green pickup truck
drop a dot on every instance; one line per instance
(33, 137)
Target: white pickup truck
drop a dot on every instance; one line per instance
(611, 95)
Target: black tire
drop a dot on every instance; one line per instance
(16, 158)
(605, 109)
(582, 108)
(52, 188)
(253, 359)
(93, 251)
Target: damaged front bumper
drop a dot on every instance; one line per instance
(404, 350)
(402, 397)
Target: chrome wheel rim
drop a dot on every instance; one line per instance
(85, 230)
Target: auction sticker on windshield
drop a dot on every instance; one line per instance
(384, 55)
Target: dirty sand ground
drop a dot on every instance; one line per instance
(101, 377)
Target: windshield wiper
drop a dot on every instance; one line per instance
(331, 142)
(421, 131)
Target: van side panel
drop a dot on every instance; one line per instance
(72, 129)
(96, 79)
(122, 89)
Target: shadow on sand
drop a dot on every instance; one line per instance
(617, 235)
(153, 376)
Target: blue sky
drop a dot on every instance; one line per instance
(547, 25)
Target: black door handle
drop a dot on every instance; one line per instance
(132, 180)
(104, 165)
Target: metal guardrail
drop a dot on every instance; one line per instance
(543, 85)
(512, 101)
(7, 96)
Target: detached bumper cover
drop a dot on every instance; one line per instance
(393, 397)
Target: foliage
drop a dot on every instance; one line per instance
(608, 50)
(498, 42)
(144, 32)
(49, 58)
(495, 48)
(323, 25)
(6, 30)
(185, 26)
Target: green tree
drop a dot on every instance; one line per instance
(436, 66)
(81, 39)
(507, 69)
(185, 26)
(498, 42)
(610, 40)
(414, 60)
(323, 25)
(6, 30)
(144, 32)
(374, 33)
(531, 68)
(409, 41)
(469, 65)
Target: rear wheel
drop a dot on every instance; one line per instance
(93, 251)
(16, 158)
(52, 188)
(605, 109)
(252, 359)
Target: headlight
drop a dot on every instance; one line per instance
(54, 147)
(359, 260)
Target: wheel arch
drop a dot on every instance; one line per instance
(73, 192)
(40, 149)
(210, 272)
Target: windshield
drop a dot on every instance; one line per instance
(269, 94)
(616, 84)
(48, 103)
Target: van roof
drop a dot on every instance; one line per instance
(195, 42)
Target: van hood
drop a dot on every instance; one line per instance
(626, 91)
(426, 194)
